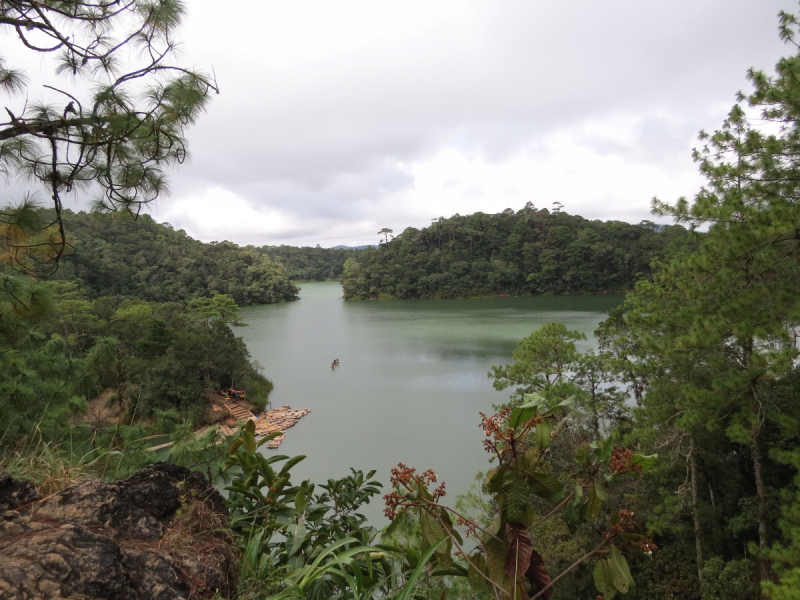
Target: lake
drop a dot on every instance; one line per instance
(411, 380)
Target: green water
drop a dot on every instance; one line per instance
(411, 381)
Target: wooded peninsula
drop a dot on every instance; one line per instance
(511, 253)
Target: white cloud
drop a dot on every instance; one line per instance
(339, 118)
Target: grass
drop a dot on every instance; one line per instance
(49, 467)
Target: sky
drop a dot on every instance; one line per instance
(337, 119)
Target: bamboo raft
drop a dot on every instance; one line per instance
(278, 420)
(271, 421)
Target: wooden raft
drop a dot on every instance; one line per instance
(271, 421)
(278, 420)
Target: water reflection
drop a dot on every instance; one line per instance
(412, 378)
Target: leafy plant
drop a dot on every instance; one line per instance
(505, 559)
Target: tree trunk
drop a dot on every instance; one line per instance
(764, 573)
(698, 544)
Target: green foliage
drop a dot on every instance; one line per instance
(728, 580)
(709, 350)
(528, 252)
(116, 255)
(311, 264)
(541, 361)
(122, 105)
(525, 494)
(302, 544)
(41, 385)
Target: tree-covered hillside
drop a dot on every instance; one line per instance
(311, 264)
(530, 251)
(115, 255)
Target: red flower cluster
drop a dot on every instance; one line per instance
(494, 425)
(469, 526)
(403, 476)
(439, 492)
(622, 461)
(499, 435)
(392, 500)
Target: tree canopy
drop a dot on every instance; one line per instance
(116, 105)
(530, 251)
(115, 255)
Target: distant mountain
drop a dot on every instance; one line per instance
(342, 247)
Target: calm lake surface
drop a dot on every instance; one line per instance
(412, 378)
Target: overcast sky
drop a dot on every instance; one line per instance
(336, 119)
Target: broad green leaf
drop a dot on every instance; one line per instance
(606, 448)
(534, 399)
(546, 486)
(235, 446)
(620, 572)
(294, 539)
(493, 480)
(530, 515)
(448, 523)
(477, 567)
(593, 505)
(601, 492)
(300, 501)
(517, 494)
(603, 580)
(542, 436)
(433, 531)
(249, 441)
(496, 553)
(250, 427)
(522, 414)
(578, 494)
(494, 526)
(290, 463)
(563, 404)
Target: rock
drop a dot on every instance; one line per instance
(132, 506)
(106, 540)
(154, 575)
(13, 493)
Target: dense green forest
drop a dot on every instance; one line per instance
(116, 255)
(63, 342)
(525, 252)
(310, 264)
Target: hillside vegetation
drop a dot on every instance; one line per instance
(115, 255)
(525, 252)
(311, 264)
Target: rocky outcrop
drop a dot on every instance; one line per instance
(13, 493)
(158, 535)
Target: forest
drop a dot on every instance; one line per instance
(531, 251)
(663, 465)
(116, 255)
(310, 264)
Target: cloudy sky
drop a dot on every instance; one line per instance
(337, 119)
